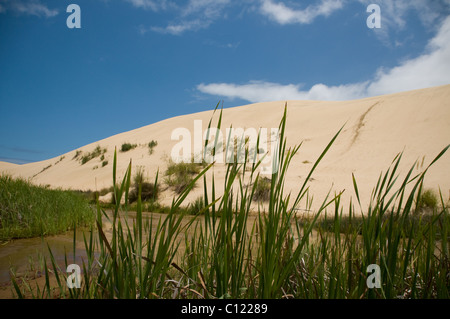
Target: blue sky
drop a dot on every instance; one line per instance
(136, 62)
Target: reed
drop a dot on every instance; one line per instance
(225, 251)
(27, 210)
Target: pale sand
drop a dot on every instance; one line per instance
(376, 130)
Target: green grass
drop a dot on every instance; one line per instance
(127, 147)
(43, 170)
(151, 146)
(60, 160)
(180, 175)
(428, 199)
(140, 187)
(30, 211)
(262, 190)
(227, 253)
(97, 152)
(196, 207)
(77, 154)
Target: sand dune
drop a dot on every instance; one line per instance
(375, 130)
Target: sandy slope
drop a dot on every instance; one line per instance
(376, 130)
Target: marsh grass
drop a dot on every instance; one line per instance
(223, 252)
(262, 190)
(428, 199)
(180, 175)
(27, 210)
(140, 187)
(196, 207)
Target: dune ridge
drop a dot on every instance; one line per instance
(376, 129)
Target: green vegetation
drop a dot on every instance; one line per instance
(146, 191)
(196, 207)
(227, 253)
(151, 146)
(30, 211)
(262, 189)
(139, 176)
(104, 163)
(428, 199)
(351, 223)
(77, 154)
(92, 196)
(127, 147)
(98, 151)
(180, 175)
(60, 160)
(43, 170)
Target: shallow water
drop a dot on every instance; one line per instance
(23, 255)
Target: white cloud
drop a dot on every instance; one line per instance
(394, 12)
(196, 15)
(200, 14)
(154, 5)
(229, 45)
(258, 91)
(209, 8)
(394, 15)
(280, 13)
(193, 16)
(432, 68)
(32, 7)
(189, 13)
(177, 29)
(254, 91)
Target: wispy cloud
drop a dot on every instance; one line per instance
(260, 91)
(31, 7)
(183, 26)
(20, 150)
(192, 16)
(229, 45)
(210, 8)
(154, 5)
(282, 14)
(200, 14)
(394, 12)
(18, 161)
(394, 15)
(432, 68)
